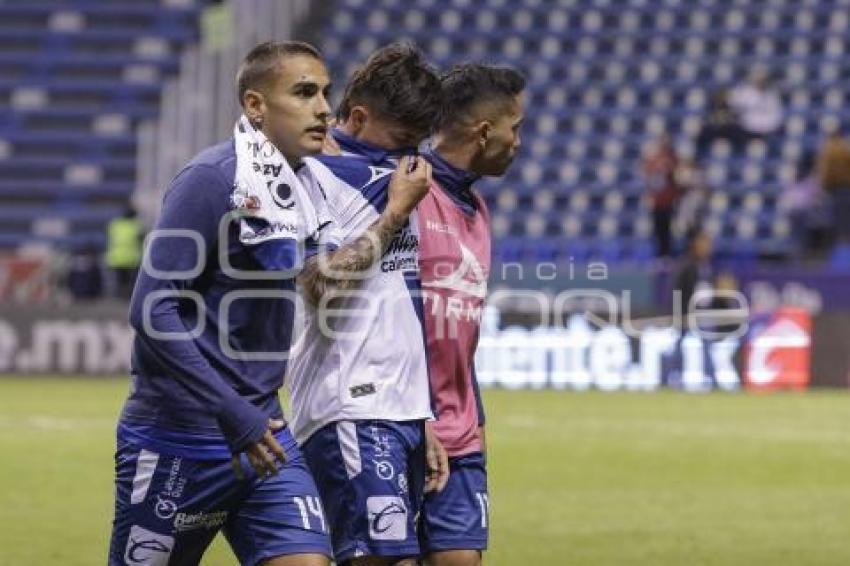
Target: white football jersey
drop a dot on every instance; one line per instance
(366, 358)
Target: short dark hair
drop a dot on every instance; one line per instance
(467, 85)
(396, 83)
(260, 64)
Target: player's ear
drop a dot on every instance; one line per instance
(254, 104)
(357, 119)
(483, 131)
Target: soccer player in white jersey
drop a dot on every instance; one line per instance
(359, 379)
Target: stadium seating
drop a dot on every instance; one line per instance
(605, 77)
(76, 78)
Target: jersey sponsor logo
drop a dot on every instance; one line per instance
(164, 508)
(362, 390)
(469, 278)
(454, 309)
(193, 521)
(148, 548)
(401, 254)
(403, 242)
(407, 263)
(387, 518)
(441, 228)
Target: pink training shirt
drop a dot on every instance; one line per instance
(454, 258)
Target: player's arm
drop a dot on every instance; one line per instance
(185, 235)
(340, 269)
(437, 460)
(479, 407)
(476, 391)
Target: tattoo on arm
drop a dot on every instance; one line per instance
(341, 269)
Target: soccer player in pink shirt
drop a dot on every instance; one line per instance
(477, 135)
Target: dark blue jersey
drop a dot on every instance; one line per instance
(211, 342)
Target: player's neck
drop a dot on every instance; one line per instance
(456, 155)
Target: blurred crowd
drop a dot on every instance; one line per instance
(94, 275)
(816, 202)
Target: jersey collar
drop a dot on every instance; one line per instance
(457, 182)
(376, 155)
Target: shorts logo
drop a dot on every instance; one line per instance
(148, 548)
(402, 483)
(190, 522)
(381, 443)
(387, 518)
(164, 508)
(174, 485)
(384, 470)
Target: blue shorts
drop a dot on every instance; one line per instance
(457, 518)
(169, 508)
(370, 475)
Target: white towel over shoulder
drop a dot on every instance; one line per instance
(273, 201)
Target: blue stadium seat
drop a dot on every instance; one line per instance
(76, 79)
(604, 78)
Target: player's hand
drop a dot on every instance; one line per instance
(438, 462)
(265, 455)
(409, 184)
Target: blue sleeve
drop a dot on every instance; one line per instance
(276, 255)
(195, 202)
(479, 404)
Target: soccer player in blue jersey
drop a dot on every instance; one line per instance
(201, 444)
(359, 389)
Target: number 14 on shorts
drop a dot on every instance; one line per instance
(310, 506)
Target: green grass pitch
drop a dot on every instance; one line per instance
(576, 478)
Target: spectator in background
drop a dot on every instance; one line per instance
(726, 283)
(758, 105)
(659, 172)
(84, 278)
(690, 177)
(695, 273)
(807, 206)
(124, 251)
(833, 171)
(720, 123)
